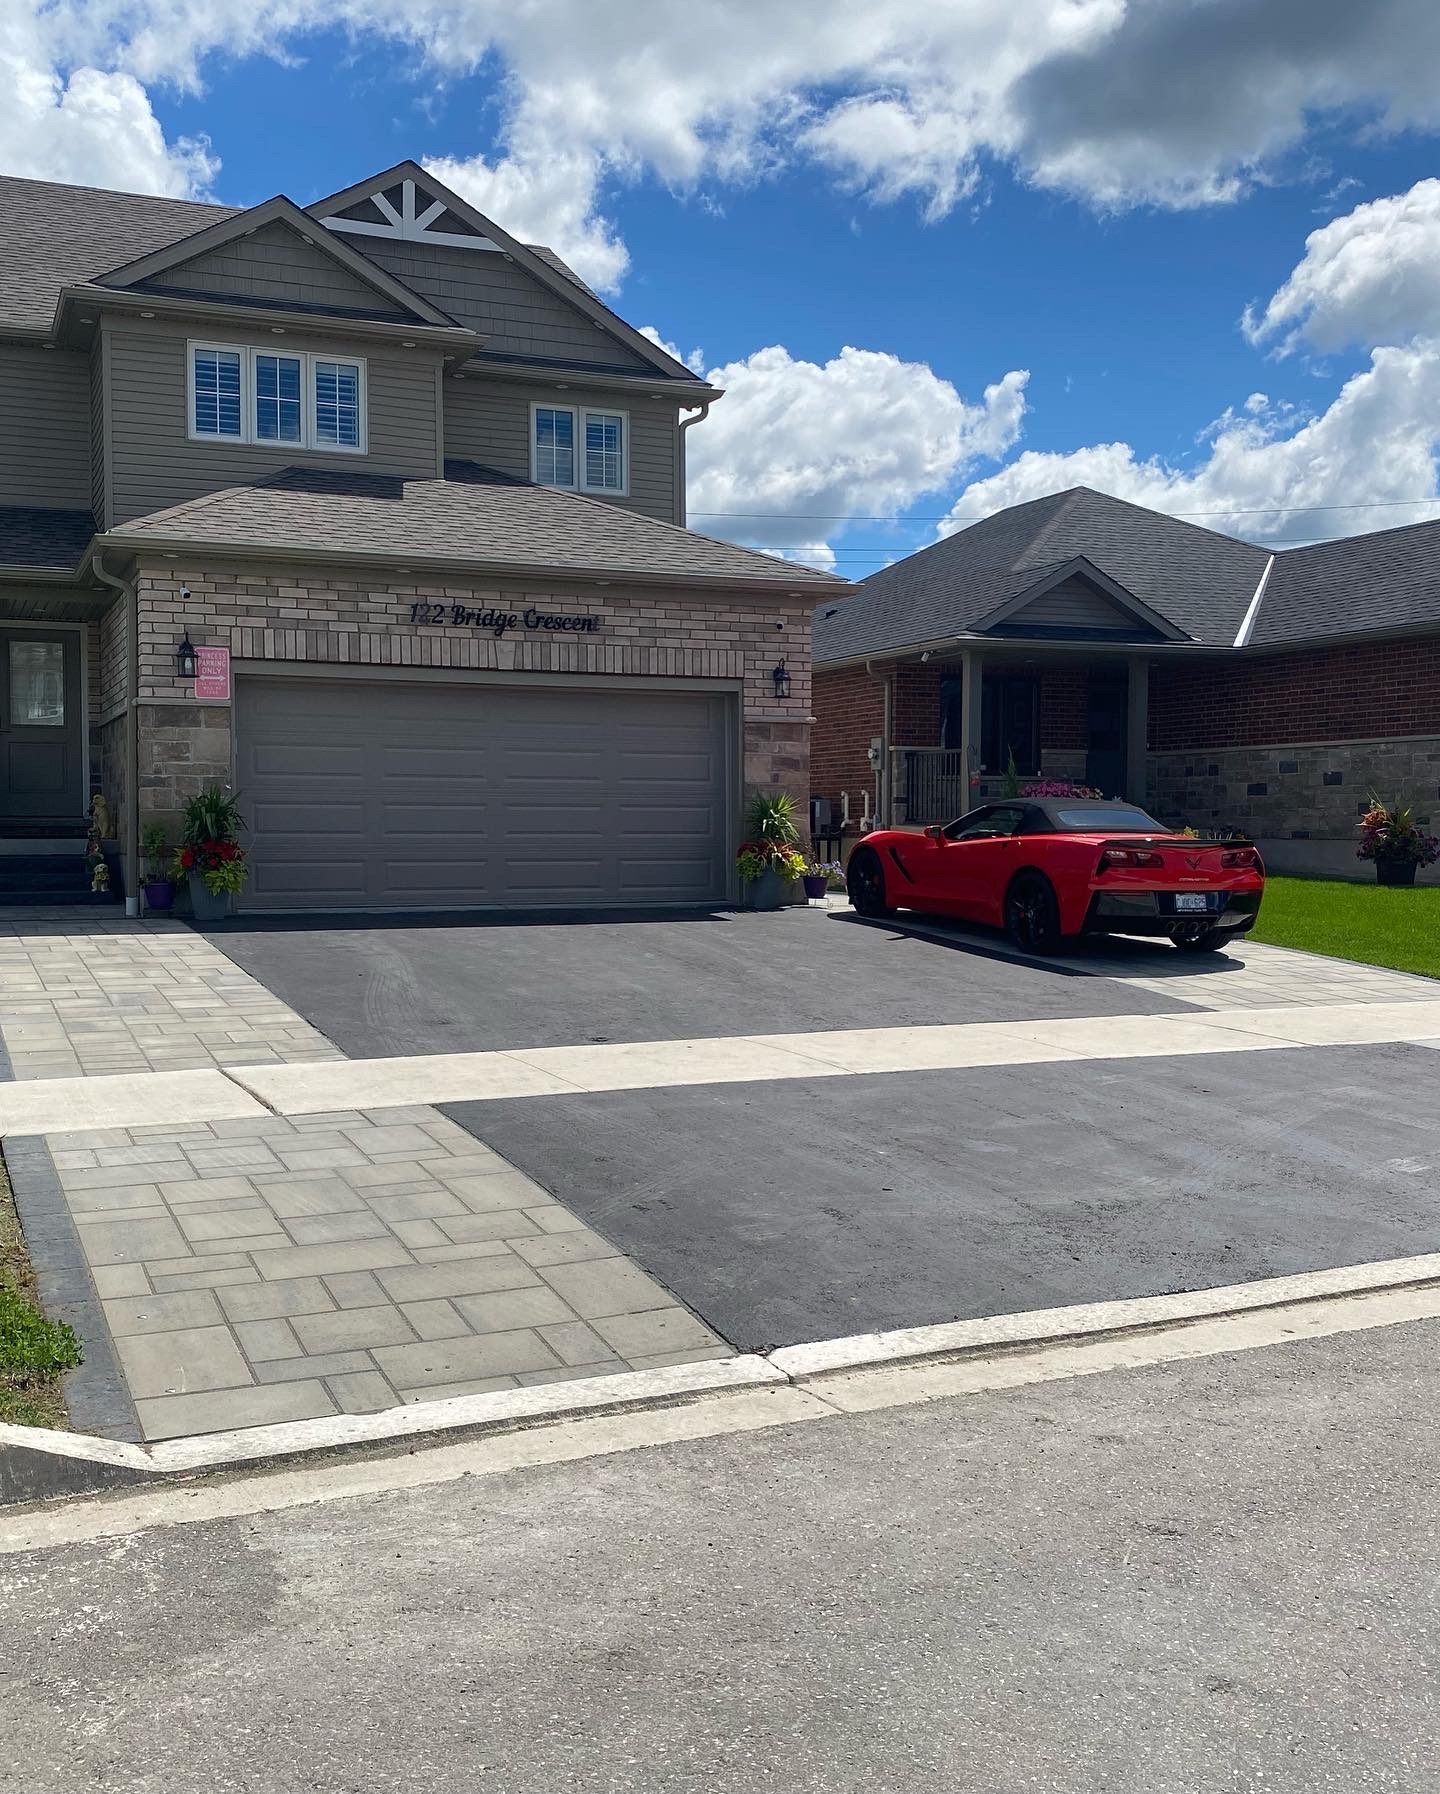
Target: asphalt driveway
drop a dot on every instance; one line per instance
(430, 987)
(782, 1212)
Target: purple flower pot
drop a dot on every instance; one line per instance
(159, 893)
(816, 883)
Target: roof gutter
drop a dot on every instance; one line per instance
(451, 337)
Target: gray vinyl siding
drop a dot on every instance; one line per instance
(44, 428)
(480, 289)
(1073, 604)
(99, 434)
(275, 263)
(155, 464)
(489, 421)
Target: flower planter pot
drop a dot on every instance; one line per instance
(765, 892)
(1394, 872)
(816, 884)
(159, 893)
(205, 905)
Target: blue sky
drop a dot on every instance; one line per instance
(1088, 226)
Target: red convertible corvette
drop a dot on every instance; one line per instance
(1047, 868)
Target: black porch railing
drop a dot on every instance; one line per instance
(929, 784)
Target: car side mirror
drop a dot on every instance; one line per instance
(934, 832)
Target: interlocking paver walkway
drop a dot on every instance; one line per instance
(270, 1270)
(252, 1271)
(83, 998)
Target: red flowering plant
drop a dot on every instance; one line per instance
(209, 849)
(1390, 832)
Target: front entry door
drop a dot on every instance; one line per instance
(40, 725)
(1105, 760)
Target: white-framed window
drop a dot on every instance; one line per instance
(276, 398)
(339, 388)
(581, 449)
(279, 407)
(217, 392)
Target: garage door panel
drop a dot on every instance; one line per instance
(366, 794)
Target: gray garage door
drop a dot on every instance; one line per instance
(372, 795)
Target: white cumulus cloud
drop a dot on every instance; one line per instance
(1264, 476)
(795, 447)
(85, 124)
(1119, 102)
(1372, 276)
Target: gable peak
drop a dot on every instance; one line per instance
(406, 205)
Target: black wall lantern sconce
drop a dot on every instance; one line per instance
(185, 658)
(780, 679)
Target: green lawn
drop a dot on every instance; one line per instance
(1373, 923)
(33, 1351)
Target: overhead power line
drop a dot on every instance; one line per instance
(1374, 504)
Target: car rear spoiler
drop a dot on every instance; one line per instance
(1176, 840)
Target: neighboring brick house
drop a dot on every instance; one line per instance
(428, 493)
(1214, 681)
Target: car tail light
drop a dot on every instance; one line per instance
(1234, 857)
(1128, 856)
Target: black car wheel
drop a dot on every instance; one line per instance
(865, 882)
(1209, 940)
(1032, 916)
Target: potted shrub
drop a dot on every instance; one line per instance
(210, 855)
(1391, 838)
(769, 859)
(158, 885)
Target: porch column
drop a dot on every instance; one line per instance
(971, 673)
(1137, 730)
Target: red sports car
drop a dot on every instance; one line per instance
(1047, 868)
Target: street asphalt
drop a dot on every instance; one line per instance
(1213, 1577)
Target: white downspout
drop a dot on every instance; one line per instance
(682, 508)
(132, 737)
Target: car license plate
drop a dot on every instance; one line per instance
(1191, 900)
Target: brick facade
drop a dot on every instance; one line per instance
(849, 715)
(306, 616)
(1366, 691)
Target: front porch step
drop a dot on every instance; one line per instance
(46, 878)
(84, 897)
(42, 831)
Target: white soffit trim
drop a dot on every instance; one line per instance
(408, 224)
(1248, 621)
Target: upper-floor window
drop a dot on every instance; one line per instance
(287, 399)
(587, 451)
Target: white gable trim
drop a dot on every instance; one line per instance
(408, 224)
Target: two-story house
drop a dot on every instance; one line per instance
(427, 493)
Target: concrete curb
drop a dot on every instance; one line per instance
(1049, 1326)
(37, 1466)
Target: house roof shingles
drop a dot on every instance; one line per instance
(1199, 580)
(1359, 585)
(473, 517)
(47, 541)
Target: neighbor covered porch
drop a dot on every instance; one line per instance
(957, 729)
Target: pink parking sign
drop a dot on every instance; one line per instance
(212, 673)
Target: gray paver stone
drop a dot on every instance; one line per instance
(182, 1362)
